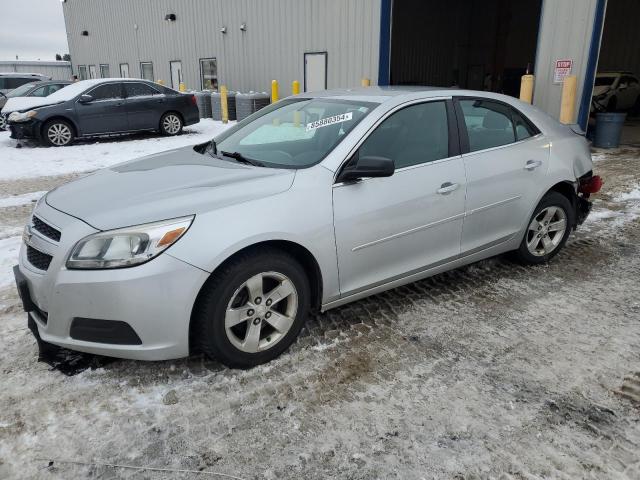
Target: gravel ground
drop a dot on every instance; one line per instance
(490, 371)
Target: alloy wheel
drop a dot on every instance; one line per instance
(261, 312)
(59, 134)
(3, 122)
(546, 231)
(171, 124)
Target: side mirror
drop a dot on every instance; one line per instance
(85, 98)
(367, 166)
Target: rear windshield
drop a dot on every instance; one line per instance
(294, 133)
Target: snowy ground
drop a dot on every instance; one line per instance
(490, 371)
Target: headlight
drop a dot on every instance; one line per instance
(22, 116)
(126, 247)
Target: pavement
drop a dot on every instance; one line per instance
(494, 370)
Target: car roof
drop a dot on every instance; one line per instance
(382, 94)
(50, 82)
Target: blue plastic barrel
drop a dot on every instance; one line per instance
(609, 129)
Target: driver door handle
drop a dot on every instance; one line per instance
(447, 187)
(533, 164)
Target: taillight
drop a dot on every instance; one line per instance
(590, 185)
(193, 100)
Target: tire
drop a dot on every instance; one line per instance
(58, 133)
(612, 105)
(171, 124)
(227, 317)
(552, 209)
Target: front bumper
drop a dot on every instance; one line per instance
(29, 129)
(154, 300)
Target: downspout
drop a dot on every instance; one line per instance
(592, 64)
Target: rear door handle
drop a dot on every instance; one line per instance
(533, 164)
(447, 187)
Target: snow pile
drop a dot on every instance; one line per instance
(19, 200)
(632, 195)
(35, 161)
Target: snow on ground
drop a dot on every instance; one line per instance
(22, 199)
(87, 155)
(9, 248)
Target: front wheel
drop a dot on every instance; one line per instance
(171, 124)
(252, 310)
(548, 229)
(58, 133)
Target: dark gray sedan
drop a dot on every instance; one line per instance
(93, 108)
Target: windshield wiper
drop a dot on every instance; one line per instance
(242, 159)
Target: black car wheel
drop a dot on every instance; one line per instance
(3, 122)
(58, 133)
(548, 230)
(171, 124)
(251, 310)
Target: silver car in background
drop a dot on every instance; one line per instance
(313, 202)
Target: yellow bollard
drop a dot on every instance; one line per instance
(568, 106)
(295, 87)
(526, 88)
(224, 105)
(160, 82)
(274, 91)
(183, 87)
(365, 82)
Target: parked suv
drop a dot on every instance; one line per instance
(33, 89)
(9, 81)
(92, 108)
(313, 202)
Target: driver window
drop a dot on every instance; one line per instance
(108, 91)
(411, 136)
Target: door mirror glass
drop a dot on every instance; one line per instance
(85, 98)
(367, 167)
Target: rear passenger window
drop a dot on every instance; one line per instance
(524, 130)
(488, 124)
(413, 135)
(139, 90)
(109, 91)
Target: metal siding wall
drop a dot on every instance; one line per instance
(278, 33)
(57, 70)
(565, 32)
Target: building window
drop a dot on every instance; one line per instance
(124, 70)
(209, 74)
(146, 70)
(104, 70)
(82, 72)
(92, 71)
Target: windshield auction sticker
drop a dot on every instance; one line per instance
(325, 122)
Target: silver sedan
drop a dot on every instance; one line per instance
(311, 203)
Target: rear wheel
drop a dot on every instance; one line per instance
(58, 133)
(548, 229)
(252, 310)
(171, 124)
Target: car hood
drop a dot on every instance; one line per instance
(165, 185)
(18, 104)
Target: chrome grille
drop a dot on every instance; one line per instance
(46, 229)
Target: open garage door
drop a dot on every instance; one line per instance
(617, 83)
(476, 44)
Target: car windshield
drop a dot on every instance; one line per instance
(604, 81)
(295, 133)
(21, 90)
